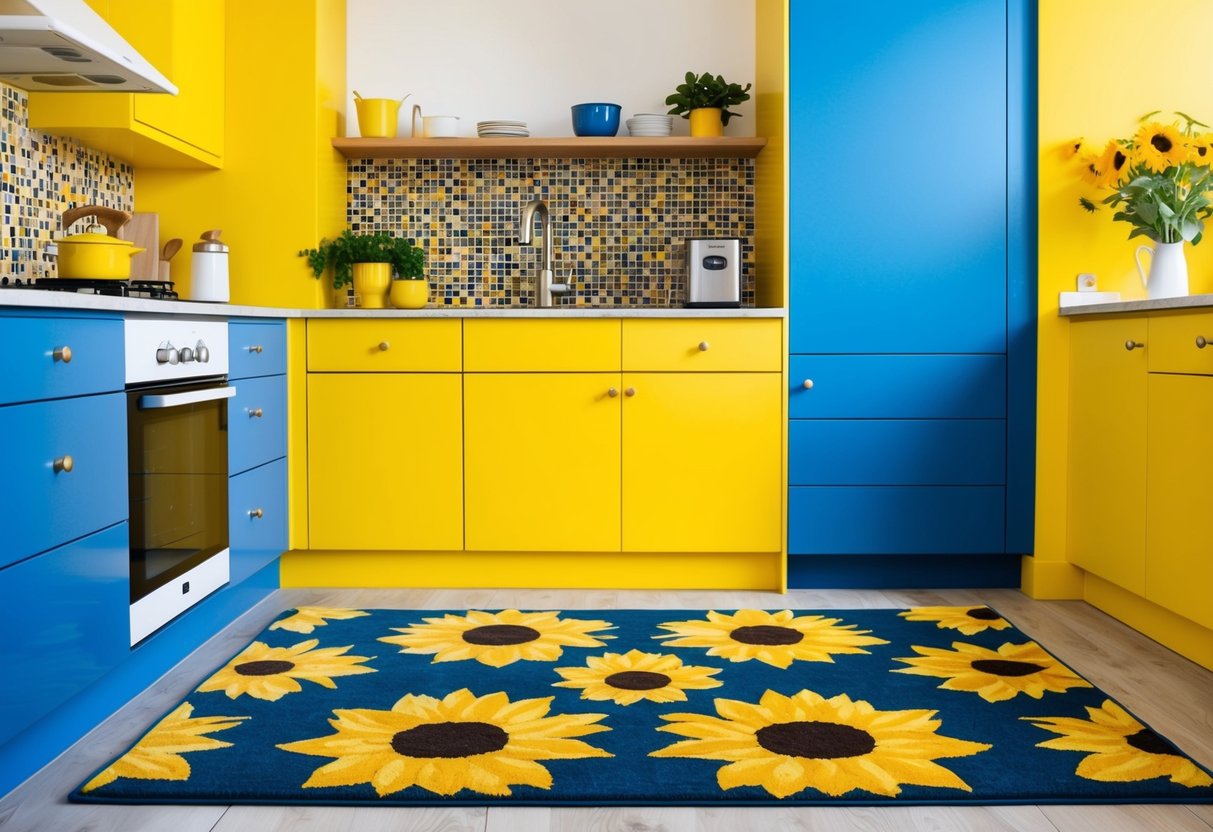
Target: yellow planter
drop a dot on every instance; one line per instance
(410, 294)
(370, 284)
(377, 117)
(705, 123)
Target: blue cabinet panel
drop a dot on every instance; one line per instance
(257, 348)
(895, 520)
(897, 177)
(30, 369)
(256, 422)
(257, 518)
(41, 507)
(897, 452)
(897, 386)
(67, 616)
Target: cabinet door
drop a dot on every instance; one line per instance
(384, 461)
(1179, 520)
(257, 518)
(702, 462)
(542, 469)
(1107, 492)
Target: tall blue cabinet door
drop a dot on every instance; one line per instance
(898, 177)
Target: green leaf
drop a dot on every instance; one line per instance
(1190, 120)
(1148, 115)
(1087, 205)
(1165, 210)
(1190, 229)
(1147, 211)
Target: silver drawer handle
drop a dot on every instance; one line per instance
(255, 348)
(256, 514)
(1201, 342)
(255, 413)
(63, 354)
(703, 346)
(210, 394)
(64, 464)
(613, 392)
(808, 384)
(1131, 345)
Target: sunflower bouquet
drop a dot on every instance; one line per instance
(1159, 179)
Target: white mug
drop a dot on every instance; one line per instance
(434, 127)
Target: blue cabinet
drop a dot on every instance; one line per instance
(257, 518)
(907, 284)
(256, 422)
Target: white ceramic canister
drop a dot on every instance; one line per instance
(208, 269)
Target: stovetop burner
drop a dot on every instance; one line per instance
(150, 289)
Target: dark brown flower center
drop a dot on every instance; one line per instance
(1118, 160)
(1201, 150)
(498, 634)
(766, 634)
(637, 680)
(815, 740)
(449, 740)
(267, 667)
(1149, 742)
(1005, 667)
(983, 614)
(1161, 143)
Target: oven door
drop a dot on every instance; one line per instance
(178, 498)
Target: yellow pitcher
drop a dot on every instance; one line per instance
(377, 116)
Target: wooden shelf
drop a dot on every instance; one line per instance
(570, 147)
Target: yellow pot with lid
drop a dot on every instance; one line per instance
(97, 254)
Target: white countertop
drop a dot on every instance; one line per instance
(1187, 302)
(32, 298)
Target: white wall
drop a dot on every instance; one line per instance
(531, 60)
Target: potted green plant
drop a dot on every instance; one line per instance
(368, 261)
(705, 100)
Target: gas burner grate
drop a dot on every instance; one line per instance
(151, 289)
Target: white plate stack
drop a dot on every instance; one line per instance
(650, 124)
(501, 129)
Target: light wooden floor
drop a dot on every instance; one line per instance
(1169, 692)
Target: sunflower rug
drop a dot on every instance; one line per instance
(647, 707)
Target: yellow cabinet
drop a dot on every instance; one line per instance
(184, 39)
(385, 461)
(1107, 488)
(542, 470)
(1179, 519)
(702, 462)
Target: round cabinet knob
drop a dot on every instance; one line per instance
(808, 384)
(703, 346)
(1201, 343)
(202, 354)
(613, 392)
(256, 514)
(167, 354)
(631, 391)
(255, 348)
(1131, 345)
(255, 413)
(186, 355)
(64, 464)
(384, 346)
(63, 354)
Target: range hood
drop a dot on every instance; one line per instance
(64, 46)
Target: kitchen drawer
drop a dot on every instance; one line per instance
(382, 345)
(257, 518)
(703, 344)
(540, 345)
(67, 613)
(256, 422)
(32, 372)
(897, 386)
(893, 520)
(1172, 345)
(897, 452)
(256, 348)
(41, 508)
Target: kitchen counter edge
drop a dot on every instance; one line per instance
(34, 299)
(1124, 306)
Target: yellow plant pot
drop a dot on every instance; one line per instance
(705, 123)
(410, 294)
(377, 117)
(370, 284)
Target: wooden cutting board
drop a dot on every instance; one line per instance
(144, 231)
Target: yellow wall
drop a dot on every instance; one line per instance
(282, 186)
(1097, 76)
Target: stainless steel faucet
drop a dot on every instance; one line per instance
(545, 288)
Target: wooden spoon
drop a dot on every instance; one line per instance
(170, 248)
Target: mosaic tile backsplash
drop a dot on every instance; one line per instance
(618, 225)
(41, 176)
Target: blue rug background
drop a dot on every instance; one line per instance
(1014, 771)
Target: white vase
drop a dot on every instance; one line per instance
(1168, 275)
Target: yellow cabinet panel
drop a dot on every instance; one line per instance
(1179, 516)
(542, 470)
(1107, 488)
(541, 345)
(383, 345)
(702, 461)
(385, 461)
(703, 344)
(1175, 344)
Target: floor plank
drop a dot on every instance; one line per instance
(1171, 693)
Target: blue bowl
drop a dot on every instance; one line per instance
(595, 119)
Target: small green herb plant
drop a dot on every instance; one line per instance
(707, 90)
(342, 252)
